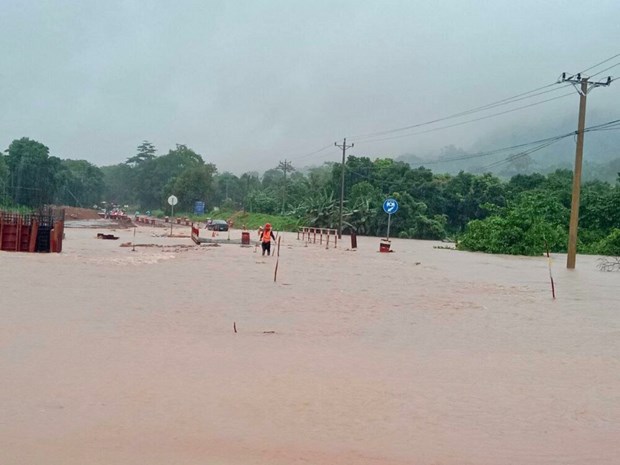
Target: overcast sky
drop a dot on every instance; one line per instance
(249, 83)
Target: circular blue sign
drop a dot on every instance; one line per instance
(390, 206)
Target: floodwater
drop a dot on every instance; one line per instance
(422, 356)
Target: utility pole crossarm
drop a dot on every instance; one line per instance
(579, 79)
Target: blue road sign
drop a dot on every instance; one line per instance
(199, 208)
(390, 206)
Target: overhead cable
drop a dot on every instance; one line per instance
(493, 115)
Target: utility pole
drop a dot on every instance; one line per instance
(285, 166)
(583, 90)
(344, 148)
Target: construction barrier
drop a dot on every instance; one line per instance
(196, 234)
(309, 235)
(214, 239)
(245, 238)
(37, 232)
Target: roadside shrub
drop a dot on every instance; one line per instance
(429, 228)
(610, 245)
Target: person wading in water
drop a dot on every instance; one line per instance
(266, 234)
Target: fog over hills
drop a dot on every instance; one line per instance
(601, 150)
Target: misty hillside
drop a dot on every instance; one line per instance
(601, 153)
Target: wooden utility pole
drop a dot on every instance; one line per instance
(285, 166)
(344, 148)
(574, 207)
(585, 87)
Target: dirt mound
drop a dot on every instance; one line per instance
(75, 213)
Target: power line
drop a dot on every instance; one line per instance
(469, 121)
(520, 155)
(598, 64)
(606, 69)
(552, 140)
(505, 101)
(495, 152)
(542, 143)
(492, 165)
(314, 152)
(603, 126)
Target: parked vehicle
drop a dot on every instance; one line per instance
(217, 225)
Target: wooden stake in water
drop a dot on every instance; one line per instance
(133, 243)
(550, 275)
(275, 272)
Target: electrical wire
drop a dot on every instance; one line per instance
(606, 69)
(465, 113)
(298, 157)
(599, 127)
(517, 156)
(505, 101)
(468, 121)
(539, 145)
(495, 152)
(598, 64)
(370, 137)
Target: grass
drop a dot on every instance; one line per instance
(250, 220)
(16, 209)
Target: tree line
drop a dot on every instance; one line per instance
(521, 215)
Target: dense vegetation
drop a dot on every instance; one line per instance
(482, 212)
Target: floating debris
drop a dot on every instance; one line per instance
(111, 237)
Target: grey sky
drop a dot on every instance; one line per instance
(248, 83)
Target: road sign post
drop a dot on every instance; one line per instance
(390, 206)
(172, 200)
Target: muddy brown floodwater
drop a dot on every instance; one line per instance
(423, 356)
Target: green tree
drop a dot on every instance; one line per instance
(263, 201)
(467, 196)
(32, 173)
(145, 152)
(524, 182)
(195, 183)
(535, 220)
(153, 176)
(119, 184)
(4, 181)
(228, 190)
(319, 177)
(609, 245)
(80, 183)
(248, 183)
